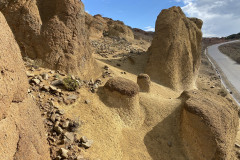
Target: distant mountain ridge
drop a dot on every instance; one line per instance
(234, 36)
(99, 26)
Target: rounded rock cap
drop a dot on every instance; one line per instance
(123, 86)
(143, 76)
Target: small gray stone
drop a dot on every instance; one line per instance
(61, 112)
(29, 91)
(58, 129)
(83, 139)
(53, 117)
(29, 74)
(52, 72)
(65, 124)
(73, 126)
(54, 89)
(88, 144)
(40, 78)
(64, 153)
(95, 86)
(58, 118)
(45, 88)
(87, 101)
(57, 82)
(45, 76)
(72, 97)
(36, 81)
(69, 137)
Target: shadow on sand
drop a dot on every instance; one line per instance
(163, 142)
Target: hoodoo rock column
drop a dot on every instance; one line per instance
(176, 50)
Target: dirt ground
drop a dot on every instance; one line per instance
(232, 50)
(157, 138)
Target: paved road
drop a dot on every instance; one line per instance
(230, 68)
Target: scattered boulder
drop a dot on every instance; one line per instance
(66, 124)
(64, 153)
(175, 52)
(70, 99)
(73, 126)
(45, 76)
(70, 137)
(56, 40)
(85, 142)
(36, 81)
(22, 133)
(123, 96)
(57, 82)
(144, 82)
(209, 125)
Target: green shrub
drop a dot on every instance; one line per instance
(70, 84)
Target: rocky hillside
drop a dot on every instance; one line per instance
(143, 35)
(56, 40)
(99, 26)
(233, 36)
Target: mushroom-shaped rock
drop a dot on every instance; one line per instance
(123, 96)
(175, 52)
(209, 126)
(144, 82)
(123, 86)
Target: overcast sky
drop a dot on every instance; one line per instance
(221, 17)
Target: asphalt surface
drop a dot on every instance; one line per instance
(230, 68)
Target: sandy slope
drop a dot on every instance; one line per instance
(157, 138)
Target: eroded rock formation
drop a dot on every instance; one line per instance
(99, 26)
(176, 50)
(52, 32)
(22, 133)
(123, 95)
(144, 82)
(209, 125)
